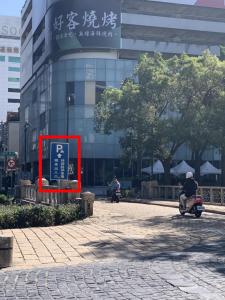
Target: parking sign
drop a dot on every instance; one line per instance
(59, 161)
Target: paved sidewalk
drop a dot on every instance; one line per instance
(210, 208)
(97, 238)
(120, 231)
(125, 251)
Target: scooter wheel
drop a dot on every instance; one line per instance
(198, 214)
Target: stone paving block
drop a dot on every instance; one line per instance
(162, 247)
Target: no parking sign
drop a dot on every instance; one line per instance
(11, 164)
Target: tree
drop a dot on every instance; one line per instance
(118, 111)
(218, 125)
(201, 81)
(171, 104)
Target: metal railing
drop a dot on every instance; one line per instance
(211, 194)
(30, 194)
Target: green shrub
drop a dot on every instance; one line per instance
(34, 216)
(23, 215)
(4, 200)
(125, 193)
(42, 216)
(8, 217)
(131, 194)
(66, 213)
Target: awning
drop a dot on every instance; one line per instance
(208, 168)
(157, 168)
(181, 168)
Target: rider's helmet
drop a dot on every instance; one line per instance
(189, 175)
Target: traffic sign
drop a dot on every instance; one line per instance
(8, 154)
(59, 161)
(11, 164)
(4, 155)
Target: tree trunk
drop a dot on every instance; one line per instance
(197, 165)
(166, 164)
(139, 164)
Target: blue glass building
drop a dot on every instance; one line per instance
(72, 50)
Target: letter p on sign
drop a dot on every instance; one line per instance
(59, 148)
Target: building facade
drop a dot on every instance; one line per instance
(13, 126)
(9, 65)
(72, 50)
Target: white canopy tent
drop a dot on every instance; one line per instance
(208, 168)
(181, 168)
(157, 168)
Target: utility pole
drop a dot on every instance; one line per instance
(68, 102)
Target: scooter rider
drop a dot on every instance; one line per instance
(189, 188)
(115, 184)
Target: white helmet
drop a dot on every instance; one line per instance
(189, 175)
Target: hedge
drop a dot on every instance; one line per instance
(34, 216)
(4, 200)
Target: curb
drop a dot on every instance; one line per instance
(211, 211)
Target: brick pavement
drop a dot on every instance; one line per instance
(154, 280)
(78, 242)
(122, 231)
(209, 207)
(125, 251)
(164, 280)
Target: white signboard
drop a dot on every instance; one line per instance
(206, 3)
(10, 26)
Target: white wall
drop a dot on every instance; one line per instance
(173, 23)
(9, 25)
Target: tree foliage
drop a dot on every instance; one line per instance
(175, 101)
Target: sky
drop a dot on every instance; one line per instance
(11, 7)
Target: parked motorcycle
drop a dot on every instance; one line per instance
(194, 205)
(116, 196)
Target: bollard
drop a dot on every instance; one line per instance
(87, 203)
(23, 184)
(6, 251)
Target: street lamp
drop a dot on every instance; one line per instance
(69, 100)
(68, 103)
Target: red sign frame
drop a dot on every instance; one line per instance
(40, 167)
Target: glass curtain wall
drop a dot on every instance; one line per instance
(82, 81)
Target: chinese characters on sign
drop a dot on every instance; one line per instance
(90, 20)
(59, 161)
(91, 25)
(85, 23)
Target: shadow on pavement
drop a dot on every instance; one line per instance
(179, 239)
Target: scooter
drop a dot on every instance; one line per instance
(116, 196)
(194, 205)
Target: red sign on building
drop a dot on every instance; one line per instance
(11, 164)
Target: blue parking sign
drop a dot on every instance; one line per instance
(59, 161)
